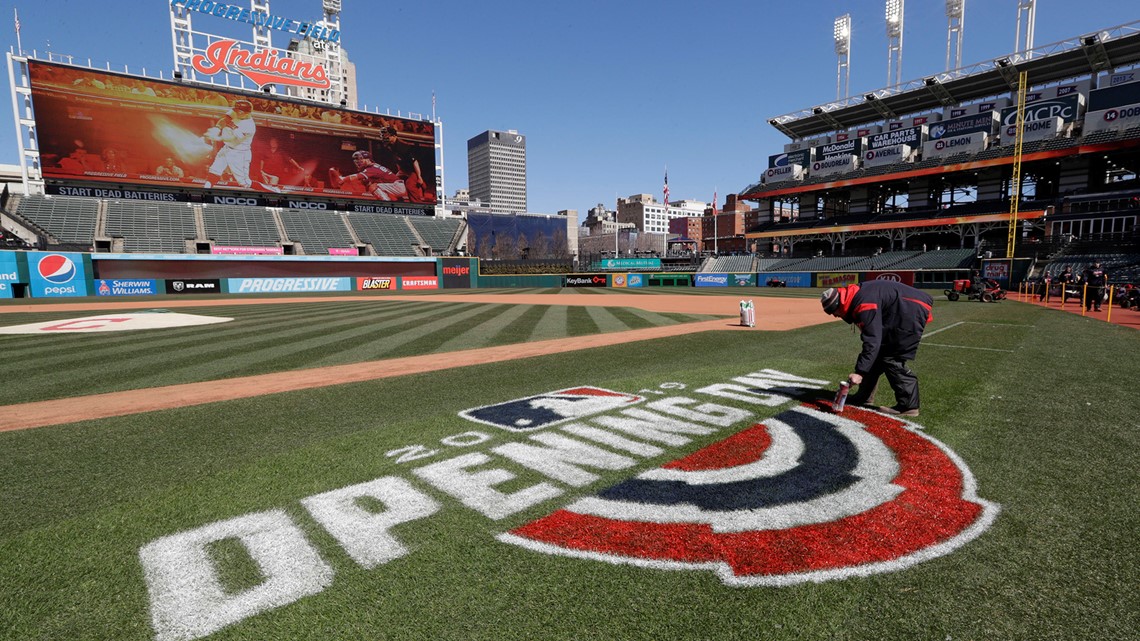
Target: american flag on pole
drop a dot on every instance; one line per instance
(714, 202)
(666, 186)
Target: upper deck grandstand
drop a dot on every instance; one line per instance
(929, 163)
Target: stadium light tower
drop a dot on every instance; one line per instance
(955, 29)
(895, 10)
(1026, 9)
(843, 51)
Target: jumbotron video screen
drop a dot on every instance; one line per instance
(113, 128)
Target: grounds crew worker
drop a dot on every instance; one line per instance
(890, 317)
(1096, 279)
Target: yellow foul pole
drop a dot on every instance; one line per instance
(1015, 182)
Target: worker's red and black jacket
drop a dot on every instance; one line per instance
(891, 317)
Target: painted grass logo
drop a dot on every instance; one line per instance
(805, 495)
(545, 410)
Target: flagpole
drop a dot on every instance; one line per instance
(19, 45)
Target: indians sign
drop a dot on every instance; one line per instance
(263, 67)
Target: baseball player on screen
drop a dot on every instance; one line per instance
(373, 177)
(233, 137)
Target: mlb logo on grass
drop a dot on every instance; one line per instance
(543, 410)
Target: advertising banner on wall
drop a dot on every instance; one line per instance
(984, 123)
(802, 157)
(852, 147)
(912, 136)
(419, 282)
(194, 286)
(966, 143)
(1034, 130)
(102, 127)
(1067, 108)
(789, 279)
(887, 156)
(904, 277)
(836, 279)
(629, 263)
(9, 273)
(997, 269)
(833, 165)
(457, 272)
(584, 280)
(375, 283)
(115, 193)
(281, 285)
(710, 280)
(1113, 119)
(786, 172)
(126, 287)
(54, 275)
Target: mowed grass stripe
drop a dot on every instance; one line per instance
(487, 332)
(266, 316)
(194, 354)
(605, 320)
(551, 325)
(428, 338)
(96, 349)
(305, 347)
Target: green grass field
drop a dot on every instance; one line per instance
(1039, 405)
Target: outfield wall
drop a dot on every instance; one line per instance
(75, 274)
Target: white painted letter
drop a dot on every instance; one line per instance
(188, 601)
(476, 489)
(363, 533)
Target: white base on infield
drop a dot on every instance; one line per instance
(114, 323)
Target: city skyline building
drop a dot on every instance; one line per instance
(496, 170)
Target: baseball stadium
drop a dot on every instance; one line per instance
(261, 382)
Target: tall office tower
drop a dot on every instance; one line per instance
(496, 170)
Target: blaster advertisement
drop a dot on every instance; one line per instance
(110, 128)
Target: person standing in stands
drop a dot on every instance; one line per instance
(891, 318)
(1065, 279)
(1095, 279)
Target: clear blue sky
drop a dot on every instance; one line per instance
(608, 93)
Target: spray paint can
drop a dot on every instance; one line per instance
(841, 397)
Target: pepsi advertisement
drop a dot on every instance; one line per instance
(54, 275)
(102, 127)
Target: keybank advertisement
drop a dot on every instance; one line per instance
(54, 275)
(9, 274)
(280, 285)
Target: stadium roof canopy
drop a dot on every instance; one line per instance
(1114, 48)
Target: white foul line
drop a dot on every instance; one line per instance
(988, 349)
(946, 328)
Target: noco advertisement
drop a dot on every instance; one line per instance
(126, 130)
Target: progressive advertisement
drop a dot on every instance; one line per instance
(102, 127)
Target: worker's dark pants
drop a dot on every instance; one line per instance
(902, 381)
